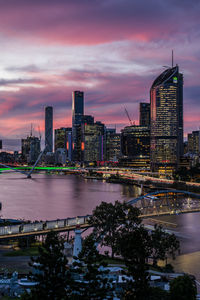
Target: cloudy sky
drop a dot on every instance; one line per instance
(110, 49)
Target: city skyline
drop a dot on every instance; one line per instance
(111, 50)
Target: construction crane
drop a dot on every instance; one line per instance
(132, 123)
(39, 133)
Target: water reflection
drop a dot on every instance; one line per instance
(56, 196)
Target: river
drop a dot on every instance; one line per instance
(52, 196)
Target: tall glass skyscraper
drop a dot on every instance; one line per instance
(77, 116)
(49, 128)
(167, 119)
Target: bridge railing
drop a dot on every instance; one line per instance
(43, 225)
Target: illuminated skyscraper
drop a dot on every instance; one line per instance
(93, 142)
(49, 128)
(167, 119)
(113, 144)
(77, 116)
(135, 146)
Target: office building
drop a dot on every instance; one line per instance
(0, 144)
(145, 114)
(93, 142)
(69, 146)
(49, 128)
(63, 143)
(113, 145)
(135, 146)
(30, 149)
(194, 142)
(167, 119)
(88, 119)
(77, 116)
(61, 137)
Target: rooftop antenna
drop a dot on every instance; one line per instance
(172, 58)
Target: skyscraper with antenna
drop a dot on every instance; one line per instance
(166, 96)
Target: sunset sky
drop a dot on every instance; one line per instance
(110, 49)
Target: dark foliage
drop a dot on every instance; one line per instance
(183, 288)
(94, 283)
(54, 280)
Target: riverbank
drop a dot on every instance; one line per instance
(151, 184)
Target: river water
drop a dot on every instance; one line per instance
(53, 196)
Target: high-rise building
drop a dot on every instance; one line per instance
(49, 128)
(113, 144)
(77, 116)
(77, 107)
(194, 142)
(145, 114)
(63, 143)
(61, 137)
(30, 148)
(93, 142)
(167, 119)
(135, 146)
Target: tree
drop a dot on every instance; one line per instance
(94, 283)
(108, 218)
(135, 248)
(163, 244)
(156, 293)
(183, 288)
(51, 273)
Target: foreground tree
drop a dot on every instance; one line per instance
(135, 248)
(163, 245)
(183, 288)
(107, 220)
(94, 283)
(50, 271)
(156, 293)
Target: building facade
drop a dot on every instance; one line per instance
(49, 128)
(61, 137)
(30, 149)
(145, 114)
(113, 145)
(77, 116)
(135, 146)
(194, 142)
(93, 142)
(166, 96)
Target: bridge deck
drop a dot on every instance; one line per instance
(42, 232)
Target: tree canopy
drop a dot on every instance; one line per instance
(94, 283)
(183, 288)
(50, 271)
(108, 219)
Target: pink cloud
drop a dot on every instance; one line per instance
(94, 22)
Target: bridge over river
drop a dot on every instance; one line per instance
(163, 202)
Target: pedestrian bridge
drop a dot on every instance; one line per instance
(166, 202)
(43, 227)
(163, 202)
